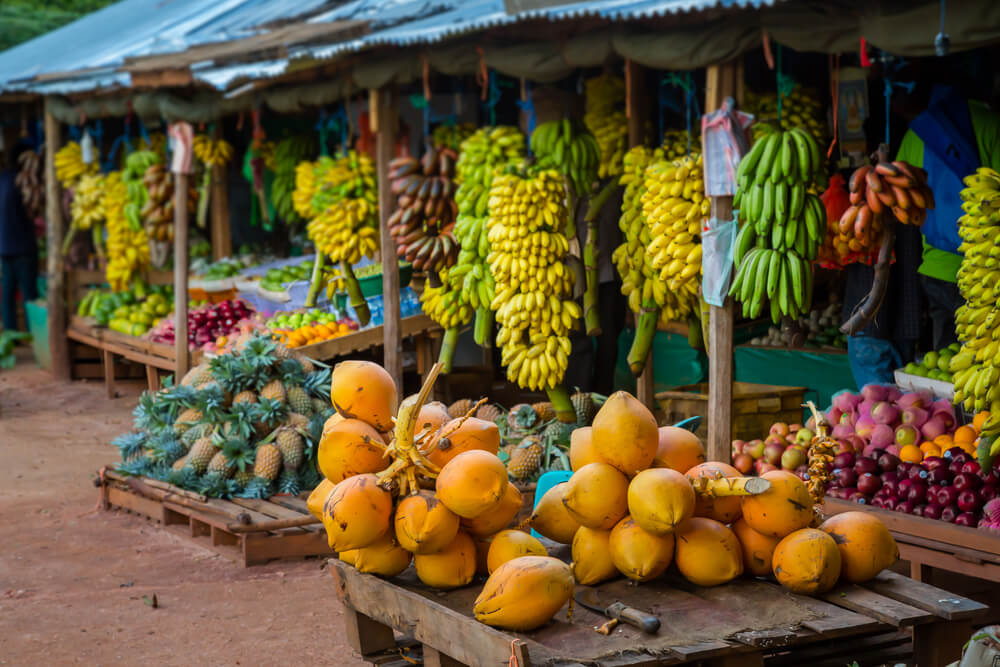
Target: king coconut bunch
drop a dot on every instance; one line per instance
(468, 288)
(659, 259)
(242, 424)
(412, 485)
(643, 498)
(976, 367)
(339, 198)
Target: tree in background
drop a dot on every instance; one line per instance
(21, 20)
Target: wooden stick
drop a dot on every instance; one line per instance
(384, 123)
(170, 488)
(180, 275)
(277, 524)
(55, 227)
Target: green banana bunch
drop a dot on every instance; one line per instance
(137, 195)
(783, 225)
(569, 149)
(976, 367)
(288, 153)
(604, 116)
(451, 135)
(800, 108)
(482, 155)
(534, 286)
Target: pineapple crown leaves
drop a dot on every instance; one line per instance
(182, 396)
(211, 401)
(309, 477)
(257, 487)
(239, 454)
(185, 478)
(241, 420)
(288, 483)
(152, 414)
(130, 445)
(137, 466)
(214, 485)
(318, 383)
(165, 448)
(525, 417)
(270, 411)
(290, 372)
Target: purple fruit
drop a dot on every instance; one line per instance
(888, 463)
(969, 500)
(932, 511)
(964, 480)
(940, 476)
(865, 464)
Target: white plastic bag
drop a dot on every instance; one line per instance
(983, 648)
(717, 242)
(724, 142)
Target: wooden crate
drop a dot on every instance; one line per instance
(209, 521)
(868, 623)
(931, 543)
(755, 407)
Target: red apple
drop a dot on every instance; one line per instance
(869, 483)
(755, 448)
(774, 439)
(738, 446)
(743, 463)
(779, 428)
(765, 467)
(773, 452)
(792, 458)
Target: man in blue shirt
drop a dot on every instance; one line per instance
(18, 248)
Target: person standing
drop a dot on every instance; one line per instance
(18, 247)
(949, 140)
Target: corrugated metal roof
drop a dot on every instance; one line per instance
(92, 51)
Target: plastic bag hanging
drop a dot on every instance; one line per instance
(724, 142)
(717, 242)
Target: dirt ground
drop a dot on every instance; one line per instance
(72, 579)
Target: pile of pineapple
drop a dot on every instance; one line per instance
(534, 441)
(242, 424)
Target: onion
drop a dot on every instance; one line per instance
(875, 392)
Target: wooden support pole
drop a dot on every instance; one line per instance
(181, 274)
(635, 77)
(721, 81)
(55, 228)
(384, 118)
(222, 242)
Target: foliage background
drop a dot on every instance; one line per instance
(21, 20)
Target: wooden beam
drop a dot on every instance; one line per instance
(222, 242)
(55, 228)
(635, 77)
(180, 274)
(384, 121)
(721, 81)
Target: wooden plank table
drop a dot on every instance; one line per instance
(931, 543)
(745, 622)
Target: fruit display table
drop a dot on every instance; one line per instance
(111, 344)
(932, 543)
(745, 622)
(822, 372)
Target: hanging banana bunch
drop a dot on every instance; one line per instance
(30, 180)
(572, 151)
(211, 153)
(289, 153)
(86, 212)
(136, 165)
(70, 165)
(451, 135)
(128, 248)
(604, 99)
(343, 218)
(534, 287)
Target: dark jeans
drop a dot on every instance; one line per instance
(17, 272)
(612, 305)
(943, 299)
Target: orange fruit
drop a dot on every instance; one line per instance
(911, 454)
(964, 435)
(927, 444)
(943, 441)
(933, 450)
(969, 447)
(979, 420)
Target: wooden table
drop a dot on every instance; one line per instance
(720, 626)
(154, 356)
(931, 543)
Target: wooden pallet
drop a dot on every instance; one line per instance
(212, 522)
(930, 543)
(869, 623)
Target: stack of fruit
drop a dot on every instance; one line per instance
(242, 424)
(604, 116)
(295, 329)
(679, 144)
(934, 364)
(227, 267)
(422, 224)
(975, 367)
(569, 149)
(206, 324)
(30, 180)
(801, 108)
(136, 165)
(128, 246)
(339, 198)
(782, 224)
(127, 311)
(784, 448)
(87, 210)
(533, 304)
(158, 212)
(275, 279)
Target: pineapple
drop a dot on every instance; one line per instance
(267, 464)
(320, 406)
(522, 418)
(460, 408)
(489, 412)
(584, 406)
(179, 463)
(245, 397)
(243, 477)
(298, 400)
(201, 454)
(186, 420)
(274, 391)
(198, 375)
(525, 458)
(558, 434)
(307, 365)
(544, 410)
(221, 465)
(292, 447)
(297, 420)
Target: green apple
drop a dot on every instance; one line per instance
(930, 359)
(910, 368)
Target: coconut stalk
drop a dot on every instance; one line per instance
(355, 297)
(314, 280)
(204, 193)
(448, 343)
(562, 404)
(645, 329)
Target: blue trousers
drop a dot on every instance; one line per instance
(16, 272)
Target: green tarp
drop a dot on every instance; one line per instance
(823, 374)
(675, 363)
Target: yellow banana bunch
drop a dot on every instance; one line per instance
(86, 210)
(533, 302)
(444, 305)
(70, 165)
(976, 367)
(451, 135)
(604, 97)
(673, 207)
(800, 108)
(343, 206)
(157, 143)
(212, 152)
(675, 144)
(128, 247)
(634, 264)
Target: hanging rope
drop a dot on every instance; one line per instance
(490, 103)
(692, 108)
(482, 74)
